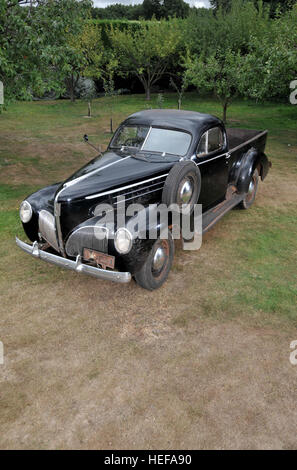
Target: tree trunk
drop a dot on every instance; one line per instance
(225, 106)
(111, 128)
(72, 97)
(147, 92)
(89, 109)
(179, 103)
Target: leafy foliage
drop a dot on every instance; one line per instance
(223, 64)
(146, 52)
(36, 52)
(148, 9)
(271, 63)
(218, 73)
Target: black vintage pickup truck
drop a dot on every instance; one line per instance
(155, 157)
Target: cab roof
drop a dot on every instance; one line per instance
(189, 121)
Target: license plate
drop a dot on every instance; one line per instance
(105, 261)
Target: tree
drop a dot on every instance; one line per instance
(271, 63)
(60, 25)
(272, 5)
(152, 8)
(108, 73)
(180, 89)
(119, 11)
(85, 56)
(224, 4)
(146, 51)
(35, 52)
(217, 54)
(175, 8)
(218, 73)
(20, 63)
(88, 93)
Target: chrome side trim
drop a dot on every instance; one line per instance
(78, 265)
(125, 187)
(210, 159)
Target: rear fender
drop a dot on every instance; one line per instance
(263, 165)
(250, 161)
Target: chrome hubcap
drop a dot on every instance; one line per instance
(251, 187)
(186, 191)
(159, 259)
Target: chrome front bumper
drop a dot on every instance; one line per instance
(77, 265)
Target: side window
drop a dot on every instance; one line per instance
(210, 141)
(215, 139)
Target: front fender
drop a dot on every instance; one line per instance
(148, 222)
(41, 199)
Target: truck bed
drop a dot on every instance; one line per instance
(237, 137)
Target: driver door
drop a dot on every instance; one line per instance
(212, 159)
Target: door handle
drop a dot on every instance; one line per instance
(228, 155)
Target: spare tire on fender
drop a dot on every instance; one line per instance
(182, 185)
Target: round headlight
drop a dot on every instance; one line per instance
(123, 241)
(25, 212)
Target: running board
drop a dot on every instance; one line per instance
(212, 216)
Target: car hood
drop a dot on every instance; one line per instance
(109, 171)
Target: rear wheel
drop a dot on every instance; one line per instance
(252, 191)
(156, 268)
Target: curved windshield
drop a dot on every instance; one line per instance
(152, 139)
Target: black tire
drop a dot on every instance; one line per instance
(251, 194)
(185, 172)
(150, 278)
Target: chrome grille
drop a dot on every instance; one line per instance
(47, 228)
(145, 189)
(94, 237)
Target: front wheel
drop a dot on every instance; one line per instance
(252, 191)
(156, 268)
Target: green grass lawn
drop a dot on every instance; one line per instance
(42, 143)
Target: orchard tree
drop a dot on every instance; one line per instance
(146, 51)
(215, 65)
(175, 8)
(271, 63)
(107, 75)
(85, 56)
(273, 6)
(218, 73)
(152, 8)
(60, 26)
(35, 54)
(20, 62)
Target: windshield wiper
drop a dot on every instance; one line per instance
(139, 157)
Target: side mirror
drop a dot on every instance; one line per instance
(86, 138)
